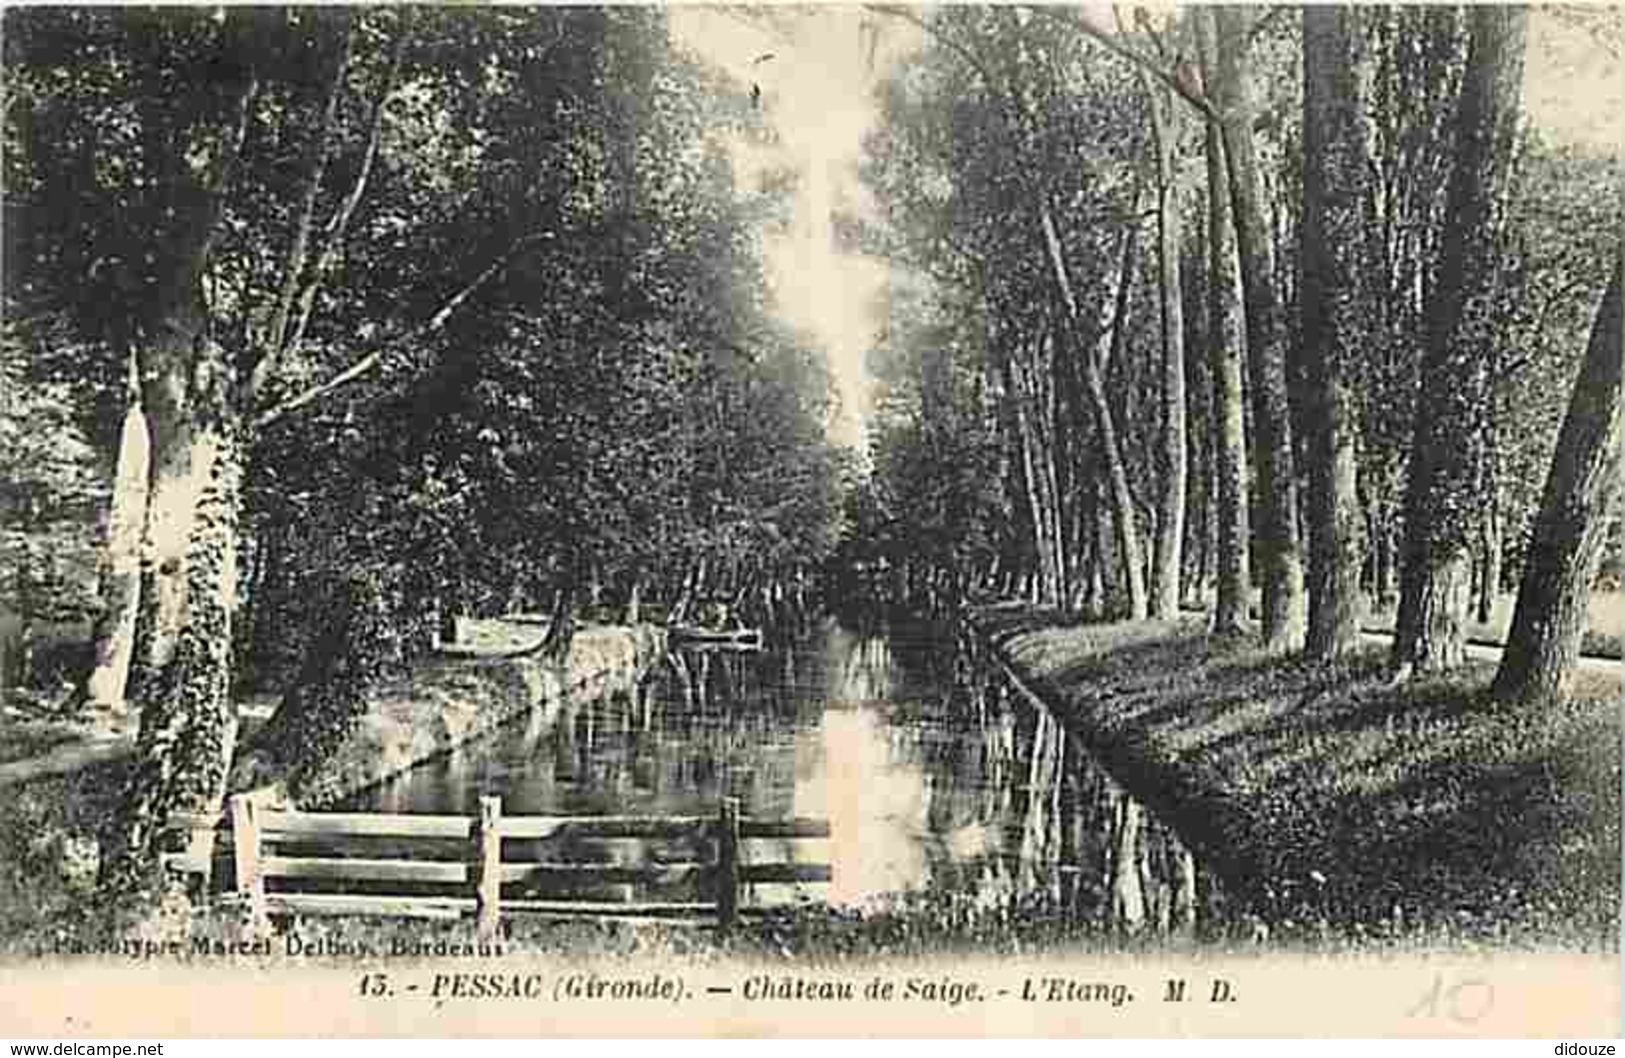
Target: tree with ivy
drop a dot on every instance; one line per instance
(1449, 455)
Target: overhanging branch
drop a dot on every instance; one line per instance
(340, 221)
(370, 362)
(1081, 21)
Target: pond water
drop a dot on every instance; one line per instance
(935, 778)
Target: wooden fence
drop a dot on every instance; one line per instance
(258, 834)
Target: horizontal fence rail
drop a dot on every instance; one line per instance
(261, 839)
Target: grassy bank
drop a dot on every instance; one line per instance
(49, 829)
(52, 818)
(27, 738)
(1343, 808)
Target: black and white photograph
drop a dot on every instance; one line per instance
(811, 520)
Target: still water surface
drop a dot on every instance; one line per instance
(930, 776)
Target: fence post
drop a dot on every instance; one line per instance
(490, 866)
(200, 838)
(245, 832)
(727, 864)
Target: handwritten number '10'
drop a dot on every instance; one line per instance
(1465, 1001)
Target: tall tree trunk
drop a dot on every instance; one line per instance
(1278, 549)
(1035, 503)
(1334, 310)
(1038, 467)
(1034, 508)
(1201, 484)
(1225, 345)
(1094, 362)
(115, 629)
(189, 723)
(1072, 436)
(1166, 561)
(1053, 436)
(1448, 452)
(172, 500)
(1114, 470)
(174, 352)
(1544, 642)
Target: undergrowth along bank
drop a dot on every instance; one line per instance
(1340, 807)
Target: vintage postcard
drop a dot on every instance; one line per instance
(800, 521)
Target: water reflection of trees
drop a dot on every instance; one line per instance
(1024, 817)
(649, 754)
(936, 773)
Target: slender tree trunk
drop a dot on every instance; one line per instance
(1071, 418)
(451, 607)
(1052, 555)
(115, 630)
(1490, 543)
(1035, 463)
(276, 344)
(634, 602)
(1097, 528)
(1334, 310)
(1035, 504)
(693, 584)
(1201, 484)
(560, 623)
(1448, 452)
(1053, 436)
(1094, 362)
(21, 670)
(1278, 549)
(1166, 562)
(1114, 470)
(1225, 345)
(1549, 623)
